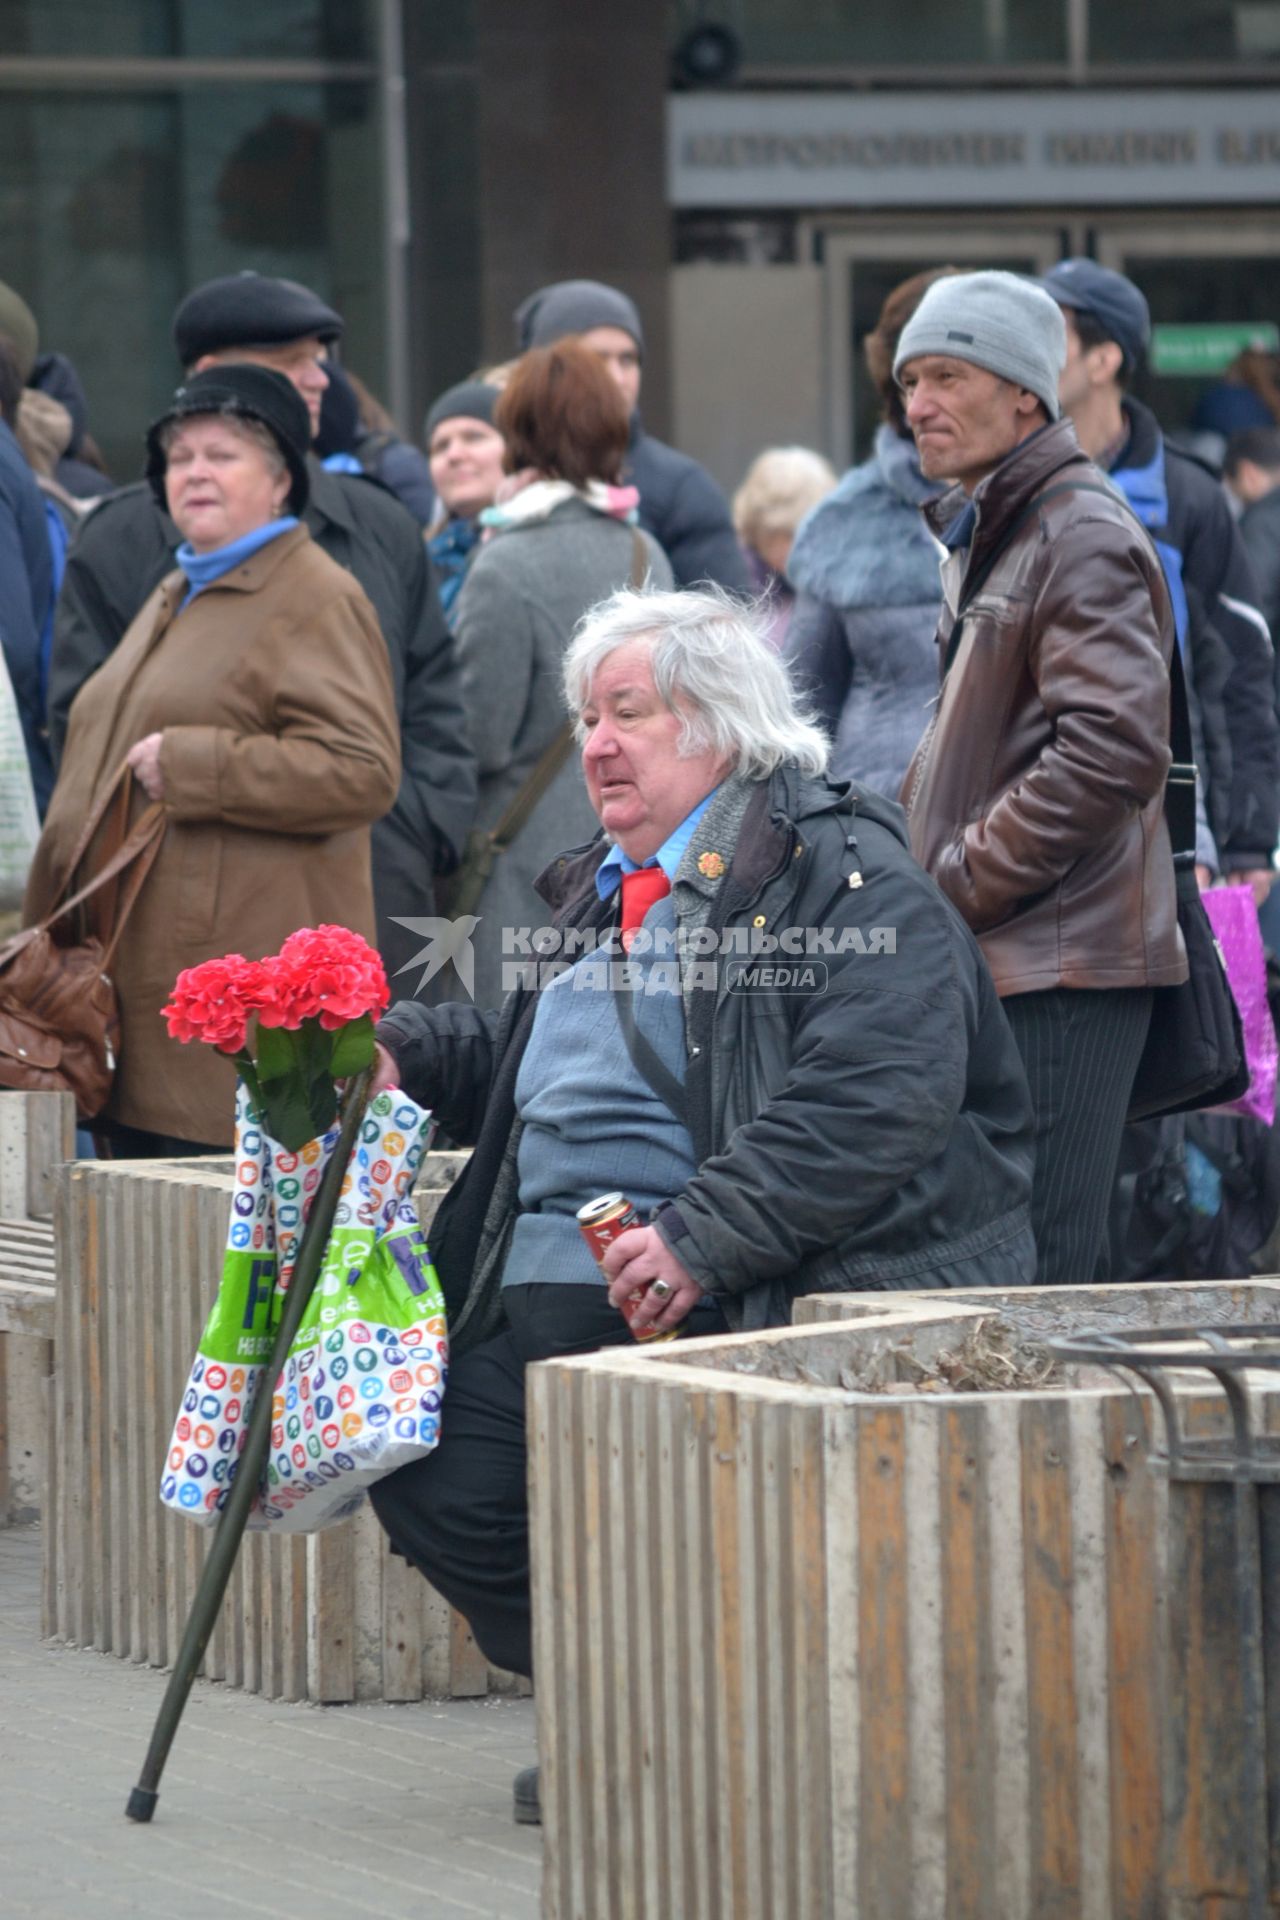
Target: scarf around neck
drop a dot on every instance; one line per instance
(541, 498)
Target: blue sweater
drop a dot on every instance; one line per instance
(592, 1125)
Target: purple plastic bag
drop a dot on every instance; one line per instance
(1234, 919)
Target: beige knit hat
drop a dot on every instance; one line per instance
(19, 323)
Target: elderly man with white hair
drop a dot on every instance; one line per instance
(800, 1074)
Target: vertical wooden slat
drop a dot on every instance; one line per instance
(884, 1817)
(156, 1399)
(926, 1734)
(50, 1123)
(1135, 1669)
(331, 1671)
(118, 1287)
(811, 1727)
(403, 1602)
(1048, 1573)
(96, 1384)
(968, 1676)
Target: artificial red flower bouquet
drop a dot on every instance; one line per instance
(314, 1003)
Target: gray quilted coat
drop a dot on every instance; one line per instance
(861, 641)
(526, 590)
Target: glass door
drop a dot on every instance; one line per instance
(1215, 284)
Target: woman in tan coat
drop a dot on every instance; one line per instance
(251, 695)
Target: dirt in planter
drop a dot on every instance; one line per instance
(990, 1358)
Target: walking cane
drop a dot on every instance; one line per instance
(231, 1524)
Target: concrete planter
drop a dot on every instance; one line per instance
(810, 1651)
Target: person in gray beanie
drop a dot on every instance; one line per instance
(1036, 798)
(680, 504)
(994, 320)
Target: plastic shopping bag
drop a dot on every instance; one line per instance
(1234, 919)
(361, 1389)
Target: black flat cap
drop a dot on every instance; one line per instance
(249, 310)
(244, 392)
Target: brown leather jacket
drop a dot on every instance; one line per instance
(1036, 798)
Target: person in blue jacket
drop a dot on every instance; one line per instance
(1223, 634)
(26, 595)
(680, 504)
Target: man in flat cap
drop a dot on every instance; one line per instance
(127, 546)
(680, 504)
(1036, 798)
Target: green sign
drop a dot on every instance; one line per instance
(1197, 352)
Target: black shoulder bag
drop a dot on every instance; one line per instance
(1194, 1054)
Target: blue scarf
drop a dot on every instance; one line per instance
(202, 569)
(451, 550)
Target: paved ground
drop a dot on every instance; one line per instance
(333, 1813)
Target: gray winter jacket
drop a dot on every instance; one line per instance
(862, 639)
(526, 590)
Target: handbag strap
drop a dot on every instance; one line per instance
(517, 814)
(648, 1062)
(1180, 782)
(141, 847)
(119, 788)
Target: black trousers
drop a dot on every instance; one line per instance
(1081, 1051)
(138, 1143)
(461, 1516)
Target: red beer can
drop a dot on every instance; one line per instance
(601, 1222)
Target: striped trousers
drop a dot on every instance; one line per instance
(1081, 1051)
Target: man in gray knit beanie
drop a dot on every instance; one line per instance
(1036, 798)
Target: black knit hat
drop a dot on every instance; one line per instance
(249, 310)
(469, 400)
(244, 392)
(575, 306)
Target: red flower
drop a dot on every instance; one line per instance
(324, 973)
(215, 1001)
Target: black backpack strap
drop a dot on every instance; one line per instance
(978, 579)
(648, 1062)
(1180, 786)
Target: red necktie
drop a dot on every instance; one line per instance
(639, 891)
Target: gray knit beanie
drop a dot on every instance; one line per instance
(998, 321)
(575, 306)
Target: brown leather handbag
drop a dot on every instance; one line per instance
(59, 1019)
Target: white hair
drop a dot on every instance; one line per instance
(712, 666)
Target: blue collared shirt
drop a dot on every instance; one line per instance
(669, 855)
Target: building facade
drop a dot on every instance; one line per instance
(756, 173)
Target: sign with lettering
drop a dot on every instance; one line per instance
(973, 149)
(1199, 351)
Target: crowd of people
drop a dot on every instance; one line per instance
(814, 853)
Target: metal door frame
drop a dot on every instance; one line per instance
(1229, 234)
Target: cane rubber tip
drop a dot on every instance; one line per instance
(142, 1804)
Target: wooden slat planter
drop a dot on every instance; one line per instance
(330, 1616)
(37, 1133)
(814, 1652)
